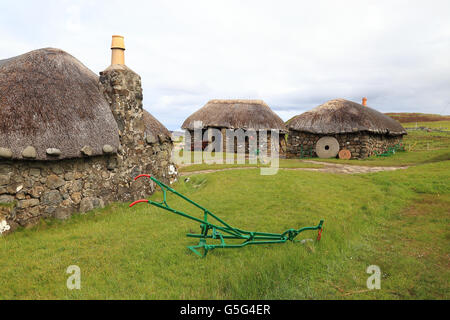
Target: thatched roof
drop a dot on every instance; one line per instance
(154, 127)
(49, 99)
(343, 116)
(234, 114)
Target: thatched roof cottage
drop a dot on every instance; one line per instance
(228, 116)
(49, 100)
(72, 141)
(344, 125)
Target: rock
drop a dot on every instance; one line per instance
(62, 213)
(35, 172)
(162, 138)
(21, 196)
(5, 169)
(57, 169)
(76, 197)
(105, 175)
(23, 204)
(67, 203)
(69, 176)
(150, 138)
(12, 188)
(87, 151)
(53, 152)
(51, 198)
(54, 182)
(4, 179)
(5, 153)
(36, 191)
(29, 152)
(88, 204)
(77, 175)
(77, 186)
(5, 198)
(49, 210)
(108, 149)
(112, 163)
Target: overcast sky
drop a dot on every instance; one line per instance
(294, 55)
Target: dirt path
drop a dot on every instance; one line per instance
(328, 167)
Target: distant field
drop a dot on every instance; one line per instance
(417, 117)
(431, 124)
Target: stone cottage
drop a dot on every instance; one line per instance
(253, 117)
(342, 125)
(71, 141)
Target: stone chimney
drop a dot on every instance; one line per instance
(122, 88)
(364, 102)
(117, 50)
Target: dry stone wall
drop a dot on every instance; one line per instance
(360, 144)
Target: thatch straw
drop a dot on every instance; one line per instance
(49, 99)
(234, 114)
(154, 127)
(343, 116)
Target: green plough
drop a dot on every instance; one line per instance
(220, 230)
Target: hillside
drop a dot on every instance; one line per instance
(405, 117)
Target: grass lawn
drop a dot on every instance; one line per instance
(430, 124)
(283, 163)
(398, 220)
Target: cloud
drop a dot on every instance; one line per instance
(294, 55)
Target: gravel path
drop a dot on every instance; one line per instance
(328, 167)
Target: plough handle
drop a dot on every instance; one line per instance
(143, 175)
(138, 201)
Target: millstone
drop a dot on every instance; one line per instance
(327, 147)
(345, 154)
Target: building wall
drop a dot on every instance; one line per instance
(31, 190)
(231, 144)
(360, 144)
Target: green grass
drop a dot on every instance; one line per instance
(397, 220)
(283, 163)
(430, 124)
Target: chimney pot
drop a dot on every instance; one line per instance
(364, 101)
(117, 50)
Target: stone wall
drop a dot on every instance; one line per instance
(231, 144)
(31, 190)
(42, 189)
(360, 144)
